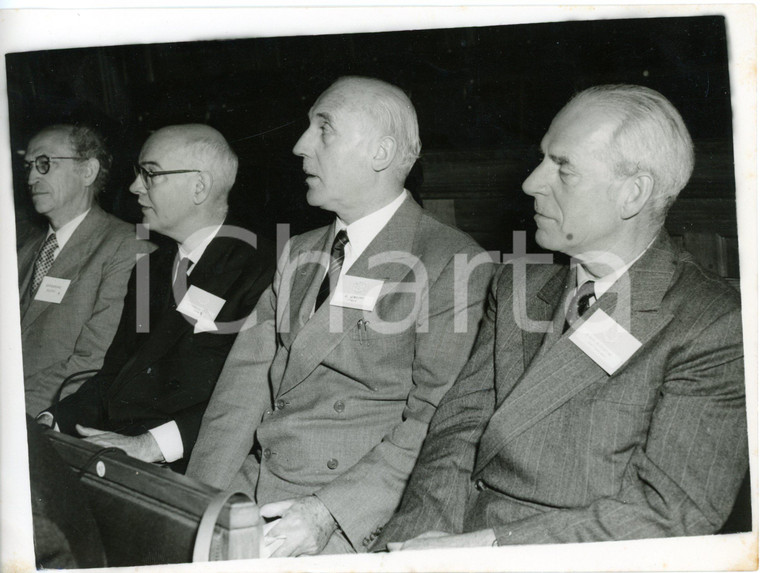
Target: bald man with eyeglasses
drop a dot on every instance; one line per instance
(73, 275)
(183, 309)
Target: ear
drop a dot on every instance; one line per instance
(202, 189)
(635, 194)
(90, 170)
(384, 153)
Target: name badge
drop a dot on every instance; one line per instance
(201, 306)
(356, 292)
(52, 289)
(605, 341)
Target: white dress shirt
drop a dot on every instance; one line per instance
(167, 435)
(363, 231)
(63, 234)
(603, 284)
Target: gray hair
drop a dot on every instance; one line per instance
(393, 112)
(87, 143)
(650, 136)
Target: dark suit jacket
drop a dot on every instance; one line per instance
(350, 402)
(168, 373)
(61, 339)
(539, 443)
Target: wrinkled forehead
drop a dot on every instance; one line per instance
(52, 142)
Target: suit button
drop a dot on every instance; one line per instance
(267, 453)
(339, 406)
(479, 485)
(332, 464)
(280, 404)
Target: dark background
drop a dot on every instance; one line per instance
(484, 97)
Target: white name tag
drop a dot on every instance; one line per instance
(605, 341)
(356, 292)
(52, 289)
(201, 306)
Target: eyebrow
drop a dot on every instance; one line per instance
(324, 115)
(149, 164)
(560, 159)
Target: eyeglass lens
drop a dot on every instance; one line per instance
(144, 176)
(41, 164)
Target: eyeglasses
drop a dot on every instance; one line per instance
(42, 163)
(147, 176)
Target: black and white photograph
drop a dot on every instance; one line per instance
(372, 288)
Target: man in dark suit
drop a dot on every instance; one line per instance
(602, 411)
(358, 356)
(182, 312)
(73, 276)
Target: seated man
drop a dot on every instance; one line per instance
(604, 400)
(355, 376)
(173, 339)
(72, 278)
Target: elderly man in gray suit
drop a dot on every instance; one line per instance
(604, 400)
(323, 404)
(73, 276)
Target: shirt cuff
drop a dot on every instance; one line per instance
(169, 441)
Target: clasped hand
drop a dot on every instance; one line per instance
(303, 528)
(143, 447)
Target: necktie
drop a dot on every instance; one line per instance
(179, 287)
(336, 263)
(44, 261)
(579, 303)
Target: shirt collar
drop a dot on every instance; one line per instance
(604, 284)
(63, 234)
(362, 231)
(195, 245)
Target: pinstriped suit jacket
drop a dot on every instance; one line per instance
(349, 405)
(61, 339)
(541, 445)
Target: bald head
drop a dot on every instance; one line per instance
(207, 150)
(186, 173)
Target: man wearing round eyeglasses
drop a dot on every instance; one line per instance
(158, 375)
(72, 276)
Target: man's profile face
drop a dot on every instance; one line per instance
(167, 205)
(63, 188)
(575, 190)
(336, 150)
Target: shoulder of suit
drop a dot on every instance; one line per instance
(700, 288)
(437, 235)
(116, 231)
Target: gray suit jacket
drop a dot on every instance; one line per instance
(340, 406)
(539, 443)
(59, 339)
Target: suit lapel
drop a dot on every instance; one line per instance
(560, 372)
(69, 262)
(213, 273)
(386, 258)
(26, 259)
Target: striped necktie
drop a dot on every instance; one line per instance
(44, 261)
(337, 255)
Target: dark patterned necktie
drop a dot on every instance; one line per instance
(179, 287)
(579, 304)
(44, 261)
(337, 255)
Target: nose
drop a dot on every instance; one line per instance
(302, 145)
(33, 175)
(536, 181)
(137, 186)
